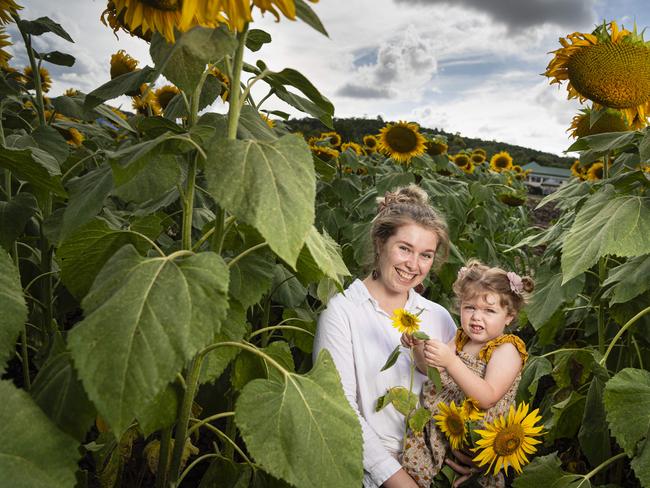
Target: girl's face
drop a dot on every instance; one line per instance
(483, 318)
(406, 258)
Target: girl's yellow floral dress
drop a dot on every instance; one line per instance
(425, 451)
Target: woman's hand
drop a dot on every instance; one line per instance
(409, 341)
(463, 465)
(438, 354)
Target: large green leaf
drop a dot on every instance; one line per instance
(184, 61)
(12, 304)
(536, 367)
(608, 223)
(14, 214)
(157, 176)
(33, 452)
(33, 165)
(252, 126)
(41, 26)
(287, 289)
(251, 277)
(594, 434)
(279, 183)
(321, 257)
(85, 252)
(59, 393)
(87, 195)
(144, 319)
(567, 414)
(547, 471)
(307, 427)
(630, 279)
(305, 13)
(50, 141)
(162, 411)
(627, 402)
(223, 473)
(249, 366)
(550, 295)
(128, 82)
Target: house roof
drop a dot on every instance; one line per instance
(540, 170)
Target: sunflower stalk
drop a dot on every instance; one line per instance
(602, 276)
(234, 108)
(618, 335)
(411, 377)
(163, 457)
(27, 39)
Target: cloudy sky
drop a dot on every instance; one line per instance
(467, 66)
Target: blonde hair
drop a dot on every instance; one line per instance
(476, 278)
(403, 206)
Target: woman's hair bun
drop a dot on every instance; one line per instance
(411, 194)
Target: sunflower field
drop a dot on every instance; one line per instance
(162, 270)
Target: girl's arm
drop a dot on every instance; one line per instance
(503, 368)
(417, 346)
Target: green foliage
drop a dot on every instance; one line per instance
(14, 311)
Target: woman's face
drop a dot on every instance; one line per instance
(406, 258)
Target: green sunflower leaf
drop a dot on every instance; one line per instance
(57, 57)
(280, 188)
(128, 82)
(402, 399)
(549, 295)
(145, 318)
(434, 375)
(418, 419)
(184, 61)
(536, 367)
(34, 453)
(12, 304)
(594, 435)
(43, 25)
(321, 257)
(33, 165)
(256, 38)
(308, 427)
(392, 358)
(14, 214)
(607, 224)
(547, 471)
(630, 279)
(305, 13)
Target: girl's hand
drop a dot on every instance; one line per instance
(409, 341)
(463, 465)
(438, 354)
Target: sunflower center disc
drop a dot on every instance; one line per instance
(455, 425)
(613, 75)
(401, 139)
(508, 440)
(501, 162)
(168, 5)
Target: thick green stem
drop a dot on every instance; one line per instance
(218, 235)
(604, 464)
(163, 457)
(184, 417)
(410, 392)
(602, 276)
(627, 325)
(188, 203)
(234, 108)
(40, 106)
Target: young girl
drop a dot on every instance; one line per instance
(481, 363)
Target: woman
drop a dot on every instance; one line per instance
(408, 237)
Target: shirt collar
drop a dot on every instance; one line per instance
(358, 292)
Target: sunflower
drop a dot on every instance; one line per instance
(468, 168)
(356, 148)
(324, 153)
(165, 94)
(506, 441)
(268, 121)
(501, 161)
(611, 121)
(461, 160)
(46, 81)
(402, 141)
(512, 199)
(122, 63)
(405, 321)
(223, 79)
(435, 147)
(239, 11)
(611, 67)
(471, 410)
(146, 103)
(517, 169)
(451, 421)
(118, 112)
(144, 17)
(595, 172)
(370, 142)
(477, 158)
(8, 7)
(72, 136)
(71, 92)
(577, 170)
(5, 40)
(481, 151)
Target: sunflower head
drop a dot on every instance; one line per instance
(405, 321)
(577, 170)
(435, 147)
(595, 172)
(506, 441)
(354, 147)
(5, 40)
(481, 151)
(324, 153)
(370, 143)
(501, 161)
(471, 410)
(453, 423)
(512, 199)
(477, 158)
(333, 138)
(402, 141)
(28, 77)
(71, 92)
(461, 159)
(146, 103)
(611, 120)
(164, 95)
(610, 66)
(122, 63)
(72, 136)
(8, 7)
(270, 122)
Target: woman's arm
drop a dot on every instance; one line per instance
(401, 479)
(333, 333)
(503, 368)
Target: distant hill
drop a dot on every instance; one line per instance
(354, 128)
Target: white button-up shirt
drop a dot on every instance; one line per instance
(359, 335)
